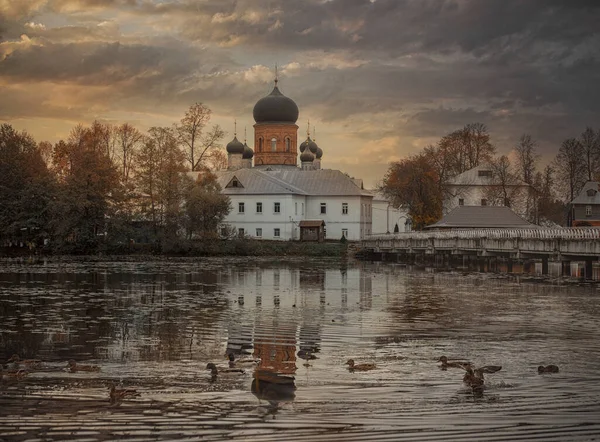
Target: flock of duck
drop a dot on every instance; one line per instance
(473, 378)
(17, 369)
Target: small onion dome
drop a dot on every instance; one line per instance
(310, 144)
(275, 107)
(319, 153)
(307, 156)
(235, 146)
(248, 152)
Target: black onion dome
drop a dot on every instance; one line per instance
(307, 156)
(275, 107)
(313, 146)
(319, 153)
(235, 146)
(304, 145)
(248, 152)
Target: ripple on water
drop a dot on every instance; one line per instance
(154, 325)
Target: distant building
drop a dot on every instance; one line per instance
(277, 185)
(477, 187)
(481, 217)
(388, 219)
(585, 207)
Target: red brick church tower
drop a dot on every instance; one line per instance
(275, 131)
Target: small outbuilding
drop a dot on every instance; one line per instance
(312, 230)
(585, 207)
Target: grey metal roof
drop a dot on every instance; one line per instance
(290, 180)
(482, 217)
(471, 178)
(583, 197)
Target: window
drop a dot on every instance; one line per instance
(258, 207)
(295, 208)
(591, 192)
(277, 207)
(323, 208)
(483, 202)
(235, 183)
(461, 201)
(260, 144)
(259, 233)
(241, 208)
(276, 233)
(345, 233)
(588, 210)
(273, 144)
(223, 231)
(240, 233)
(344, 209)
(302, 209)
(486, 173)
(288, 144)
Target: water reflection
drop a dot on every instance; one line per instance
(156, 325)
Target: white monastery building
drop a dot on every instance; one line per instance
(279, 190)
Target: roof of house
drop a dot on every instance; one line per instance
(255, 181)
(463, 217)
(472, 177)
(591, 187)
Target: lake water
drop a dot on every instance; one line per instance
(154, 326)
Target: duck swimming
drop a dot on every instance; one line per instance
(215, 371)
(16, 375)
(74, 367)
(29, 364)
(548, 369)
(450, 364)
(117, 395)
(474, 377)
(360, 367)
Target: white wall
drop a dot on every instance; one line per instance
(334, 219)
(268, 220)
(385, 217)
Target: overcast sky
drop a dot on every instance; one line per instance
(380, 79)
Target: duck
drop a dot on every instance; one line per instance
(360, 367)
(450, 364)
(74, 367)
(548, 369)
(29, 364)
(214, 371)
(16, 375)
(244, 361)
(117, 395)
(474, 376)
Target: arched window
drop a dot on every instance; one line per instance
(273, 144)
(260, 144)
(288, 144)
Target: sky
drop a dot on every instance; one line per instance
(378, 79)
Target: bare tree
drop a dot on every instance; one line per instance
(129, 140)
(191, 134)
(570, 168)
(504, 189)
(590, 145)
(526, 158)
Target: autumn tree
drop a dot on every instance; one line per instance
(570, 168)
(465, 148)
(413, 183)
(161, 180)
(590, 147)
(197, 143)
(89, 193)
(26, 186)
(206, 207)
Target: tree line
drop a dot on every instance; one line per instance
(110, 184)
(425, 182)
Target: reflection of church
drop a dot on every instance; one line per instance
(279, 190)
